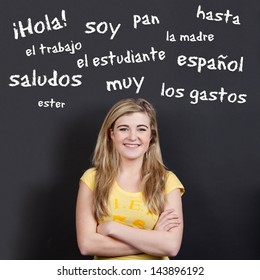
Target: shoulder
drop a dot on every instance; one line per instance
(172, 183)
(88, 177)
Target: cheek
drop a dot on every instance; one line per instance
(148, 140)
(116, 138)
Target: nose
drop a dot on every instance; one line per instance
(132, 135)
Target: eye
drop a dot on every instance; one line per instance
(123, 129)
(142, 129)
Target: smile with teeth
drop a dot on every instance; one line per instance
(129, 145)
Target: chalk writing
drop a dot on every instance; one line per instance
(28, 28)
(170, 91)
(145, 20)
(129, 57)
(102, 28)
(51, 104)
(218, 63)
(113, 58)
(224, 16)
(35, 79)
(125, 84)
(70, 48)
(221, 95)
(196, 96)
(200, 37)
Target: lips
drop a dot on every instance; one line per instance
(131, 145)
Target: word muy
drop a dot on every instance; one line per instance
(51, 104)
(129, 57)
(125, 84)
(197, 95)
(34, 80)
(70, 48)
(210, 16)
(23, 29)
(201, 37)
(212, 63)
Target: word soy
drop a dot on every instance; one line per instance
(102, 28)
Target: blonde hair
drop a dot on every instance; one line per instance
(106, 160)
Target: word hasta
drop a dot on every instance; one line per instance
(23, 29)
(227, 16)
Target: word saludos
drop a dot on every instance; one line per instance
(42, 80)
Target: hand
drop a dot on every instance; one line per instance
(167, 220)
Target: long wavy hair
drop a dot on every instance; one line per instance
(106, 160)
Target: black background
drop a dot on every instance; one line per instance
(212, 146)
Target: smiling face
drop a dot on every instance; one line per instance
(131, 135)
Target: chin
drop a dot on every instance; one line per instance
(133, 157)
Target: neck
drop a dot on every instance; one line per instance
(133, 167)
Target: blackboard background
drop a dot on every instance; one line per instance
(213, 147)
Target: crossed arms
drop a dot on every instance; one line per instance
(112, 239)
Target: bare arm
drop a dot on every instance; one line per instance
(153, 242)
(89, 241)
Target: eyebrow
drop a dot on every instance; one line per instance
(125, 125)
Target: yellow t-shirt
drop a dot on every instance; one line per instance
(129, 208)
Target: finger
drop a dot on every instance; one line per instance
(169, 222)
(173, 216)
(170, 226)
(167, 211)
(170, 217)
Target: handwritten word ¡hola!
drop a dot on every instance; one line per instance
(23, 29)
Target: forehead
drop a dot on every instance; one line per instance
(136, 118)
